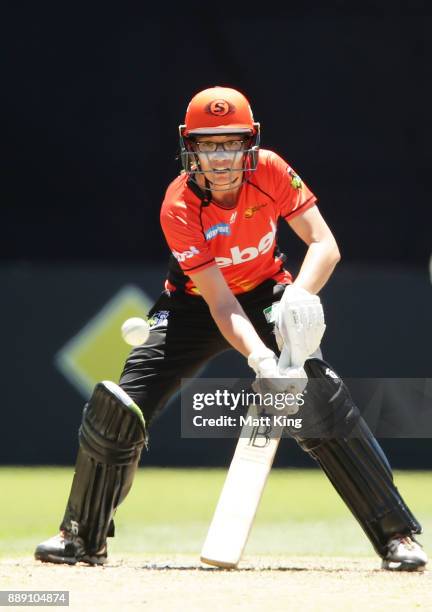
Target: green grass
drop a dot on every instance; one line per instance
(169, 510)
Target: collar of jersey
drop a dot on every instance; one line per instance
(205, 199)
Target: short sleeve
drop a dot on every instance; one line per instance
(292, 195)
(185, 238)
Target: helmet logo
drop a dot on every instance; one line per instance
(220, 108)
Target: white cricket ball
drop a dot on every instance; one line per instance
(135, 331)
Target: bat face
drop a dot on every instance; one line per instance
(241, 493)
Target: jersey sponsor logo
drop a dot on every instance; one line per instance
(220, 108)
(233, 217)
(249, 212)
(185, 254)
(219, 228)
(247, 254)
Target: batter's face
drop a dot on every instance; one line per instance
(222, 167)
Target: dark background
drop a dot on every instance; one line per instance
(92, 98)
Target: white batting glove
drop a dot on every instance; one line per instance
(299, 323)
(265, 364)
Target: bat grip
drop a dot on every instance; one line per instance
(284, 359)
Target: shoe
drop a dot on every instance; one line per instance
(69, 549)
(404, 555)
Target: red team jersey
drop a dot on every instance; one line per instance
(240, 240)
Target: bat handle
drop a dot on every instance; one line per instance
(284, 358)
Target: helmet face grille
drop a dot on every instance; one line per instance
(191, 164)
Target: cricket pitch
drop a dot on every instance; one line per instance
(180, 582)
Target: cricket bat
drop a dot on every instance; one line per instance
(242, 491)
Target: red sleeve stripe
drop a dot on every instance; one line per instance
(204, 263)
(303, 208)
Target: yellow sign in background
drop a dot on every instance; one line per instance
(98, 351)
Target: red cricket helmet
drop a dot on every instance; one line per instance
(217, 111)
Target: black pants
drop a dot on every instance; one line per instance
(182, 339)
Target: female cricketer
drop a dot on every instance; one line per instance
(219, 218)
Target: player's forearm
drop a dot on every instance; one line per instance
(235, 326)
(318, 265)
